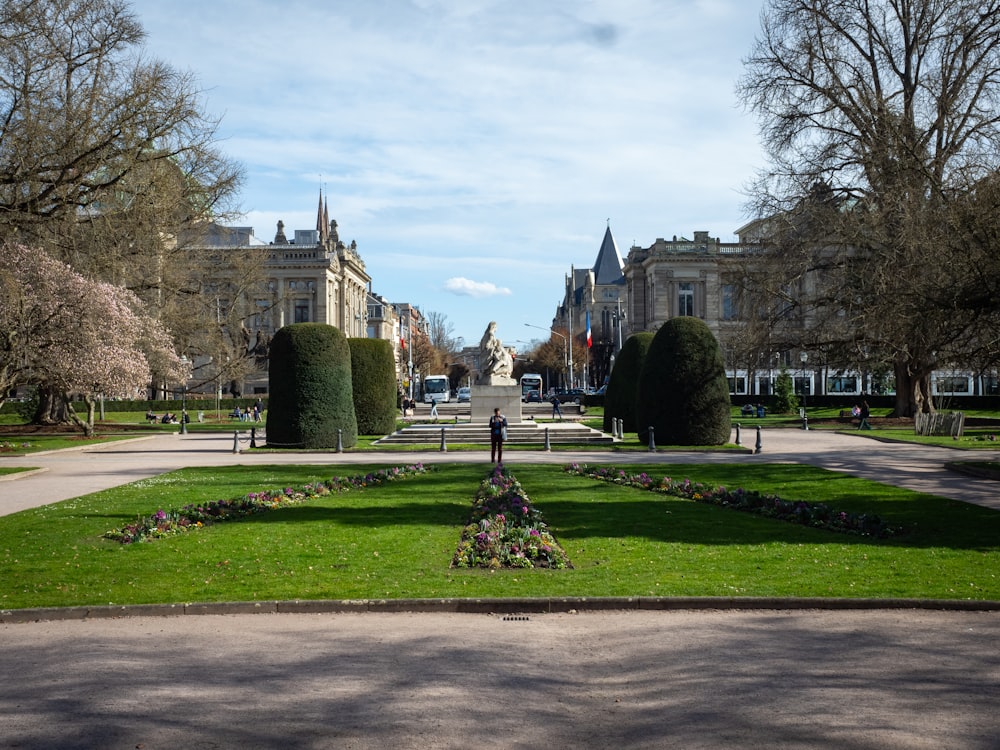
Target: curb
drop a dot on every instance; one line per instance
(21, 474)
(486, 606)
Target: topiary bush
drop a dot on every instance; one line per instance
(683, 392)
(373, 373)
(619, 398)
(310, 388)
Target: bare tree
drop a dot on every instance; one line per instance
(880, 119)
(442, 334)
(106, 156)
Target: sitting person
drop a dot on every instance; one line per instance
(747, 410)
(760, 410)
(151, 416)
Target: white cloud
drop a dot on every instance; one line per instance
(469, 288)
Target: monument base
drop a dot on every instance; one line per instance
(486, 398)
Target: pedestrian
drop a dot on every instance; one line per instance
(434, 409)
(498, 433)
(556, 411)
(863, 414)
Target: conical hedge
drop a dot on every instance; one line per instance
(373, 373)
(310, 388)
(623, 385)
(683, 392)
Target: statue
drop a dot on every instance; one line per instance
(496, 366)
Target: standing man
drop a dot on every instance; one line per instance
(498, 433)
(556, 411)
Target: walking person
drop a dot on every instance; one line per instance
(863, 414)
(556, 411)
(434, 409)
(498, 433)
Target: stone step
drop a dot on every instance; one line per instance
(523, 433)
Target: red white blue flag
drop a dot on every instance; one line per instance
(590, 341)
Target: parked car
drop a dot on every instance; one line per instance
(533, 397)
(573, 395)
(464, 394)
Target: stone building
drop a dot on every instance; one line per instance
(597, 293)
(311, 277)
(667, 279)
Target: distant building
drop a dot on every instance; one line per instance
(599, 291)
(312, 277)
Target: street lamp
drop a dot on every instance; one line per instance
(804, 357)
(184, 361)
(565, 348)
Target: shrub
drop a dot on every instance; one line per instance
(373, 374)
(784, 401)
(683, 392)
(310, 388)
(623, 385)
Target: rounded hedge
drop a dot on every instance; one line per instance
(623, 385)
(373, 373)
(310, 388)
(683, 392)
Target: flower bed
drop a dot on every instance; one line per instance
(816, 515)
(7, 446)
(505, 530)
(165, 523)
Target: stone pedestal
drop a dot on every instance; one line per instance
(486, 398)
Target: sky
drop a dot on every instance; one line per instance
(476, 150)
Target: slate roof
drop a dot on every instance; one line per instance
(608, 269)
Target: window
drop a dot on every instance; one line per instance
(954, 384)
(301, 311)
(729, 310)
(262, 315)
(842, 384)
(990, 385)
(685, 298)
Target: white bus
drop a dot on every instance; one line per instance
(530, 383)
(437, 388)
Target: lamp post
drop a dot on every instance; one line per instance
(804, 357)
(184, 361)
(566, 360)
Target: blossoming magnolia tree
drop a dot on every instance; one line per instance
(75, 335)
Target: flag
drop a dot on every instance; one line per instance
(402, 343)
(590, 341)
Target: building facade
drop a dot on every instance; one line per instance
(311, 277)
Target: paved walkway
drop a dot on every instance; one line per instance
(696, 679)
(866, 678)
(72, 473)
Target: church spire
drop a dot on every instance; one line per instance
(608, 268)
(319, 215)
(325, 234)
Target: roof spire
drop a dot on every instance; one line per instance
(608, 268)
(325, 234)
(319, 214)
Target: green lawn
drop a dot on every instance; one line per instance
(23, 445)
(396, 541)
(972, 439)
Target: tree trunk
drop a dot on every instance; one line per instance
(53, 407)
(88, 425)
(913, 390)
